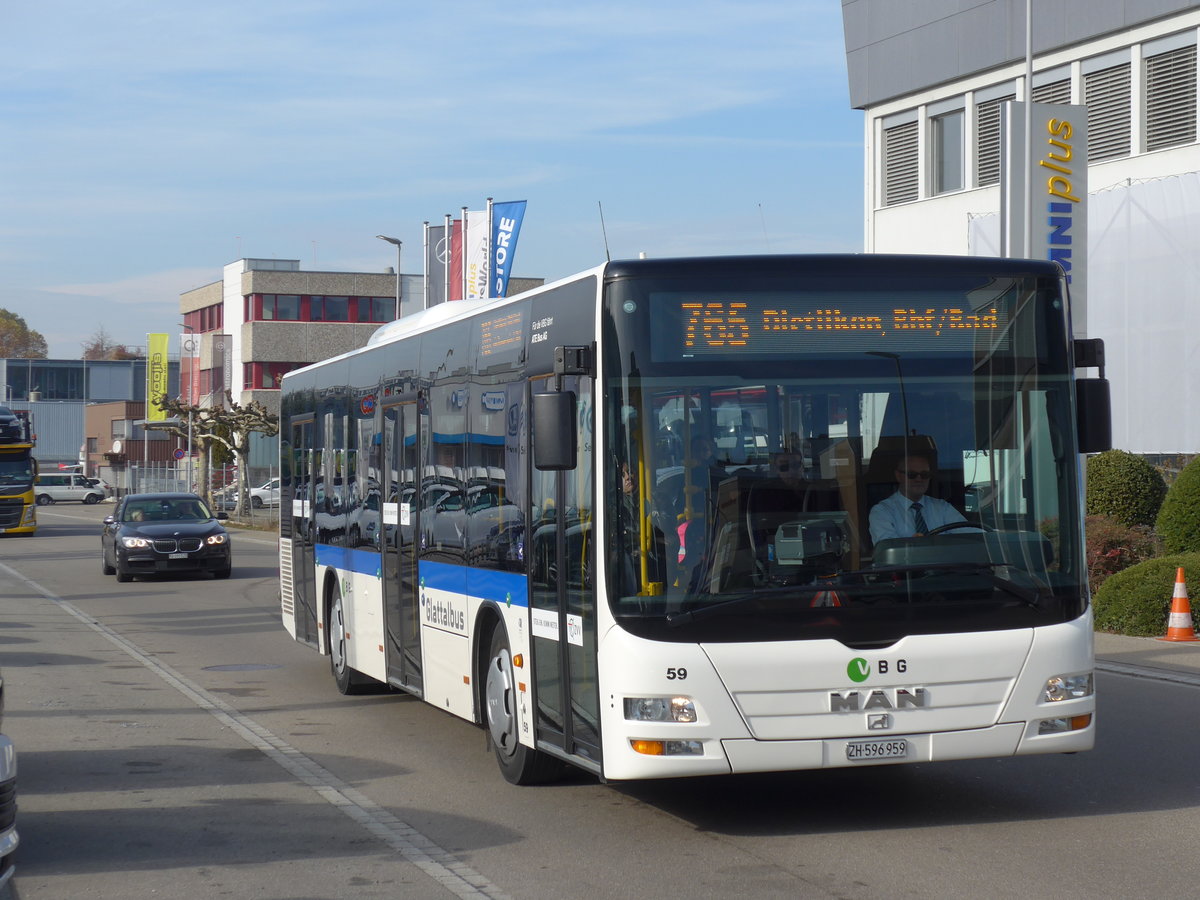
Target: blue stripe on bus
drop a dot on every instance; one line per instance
(347, 559)
(507, 588)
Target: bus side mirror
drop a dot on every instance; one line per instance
(1095, 415)
(554, 431)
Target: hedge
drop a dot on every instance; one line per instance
(1179, 519)
(1124, 487)
(1136, 601)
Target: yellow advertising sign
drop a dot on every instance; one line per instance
(156, 375)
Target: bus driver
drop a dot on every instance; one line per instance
(909, 512)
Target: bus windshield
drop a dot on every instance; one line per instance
(771, 442)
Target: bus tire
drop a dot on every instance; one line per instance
(348, 681)
(518, 764)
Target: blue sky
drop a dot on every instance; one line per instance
(147, 143)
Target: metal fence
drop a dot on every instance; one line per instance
(158, 477)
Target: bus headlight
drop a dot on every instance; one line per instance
(660, 709)
(667, 748)
(135, 543)
(1067, 687)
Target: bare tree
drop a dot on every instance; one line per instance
(230, 426)
(101, 346)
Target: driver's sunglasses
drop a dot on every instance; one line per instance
(915, 476)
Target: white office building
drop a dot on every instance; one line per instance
(932, 77)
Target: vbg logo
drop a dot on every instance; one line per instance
(859, 670)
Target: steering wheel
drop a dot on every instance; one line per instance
(950, 526)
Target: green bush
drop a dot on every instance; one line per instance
(1179, 519)
(1113, 547)
(1137, 600)
(1124, 487)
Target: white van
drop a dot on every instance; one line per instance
(55, 488)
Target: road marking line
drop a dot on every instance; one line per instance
(436, 862)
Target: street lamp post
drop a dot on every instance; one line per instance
(399, 244)
(191, 377)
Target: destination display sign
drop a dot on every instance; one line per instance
(696, 328)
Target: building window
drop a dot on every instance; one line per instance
(1055, 92)
(1106, 94)
(1171, 98)
(946, 133)
(987, 139)
(329, 309)
(376, 309)
(900, 164)
(285, 307)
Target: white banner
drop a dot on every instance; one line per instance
(1056, 192)
(475, 253)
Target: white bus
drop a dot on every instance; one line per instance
(622, 521)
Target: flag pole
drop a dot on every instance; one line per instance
(425, 268)
(487, 256)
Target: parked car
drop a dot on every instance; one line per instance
(152, 534)
(57, 488)
(266, 495)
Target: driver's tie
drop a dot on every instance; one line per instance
(918, 519)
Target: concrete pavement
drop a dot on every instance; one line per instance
(1149, 657)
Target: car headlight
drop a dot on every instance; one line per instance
(217, 539)
(660, 709)
(135, 543)
(1067, 687)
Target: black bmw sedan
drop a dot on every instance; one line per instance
(152, 534)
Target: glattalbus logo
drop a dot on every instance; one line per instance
(859, 670)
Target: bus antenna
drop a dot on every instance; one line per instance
(604, 231)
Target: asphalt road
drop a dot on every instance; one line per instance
(174, 742)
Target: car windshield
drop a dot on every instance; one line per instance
(166, 510)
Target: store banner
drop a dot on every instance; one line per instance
(475, 254)
(157, 346)
(506, 227)
(1044, 188)
(436, 248)
(455, 286)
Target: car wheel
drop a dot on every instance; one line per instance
(223, 573)
(104, 566)
(123, 577)
(91, 498)
(347, 679)
(44, 500)
(256, 502)
(518, 764)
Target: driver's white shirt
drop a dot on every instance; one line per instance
(893, 517)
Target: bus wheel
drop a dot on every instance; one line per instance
(348, 680)
(519, 764)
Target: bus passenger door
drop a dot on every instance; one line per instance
(562, 596)
(303, 570)
(399, 531)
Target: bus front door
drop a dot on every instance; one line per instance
(562, 595)
(303, 570)
(399, 530)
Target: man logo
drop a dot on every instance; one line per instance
(879, 722)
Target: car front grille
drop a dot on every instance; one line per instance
(185, 545)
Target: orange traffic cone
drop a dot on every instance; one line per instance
(1179, 622)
